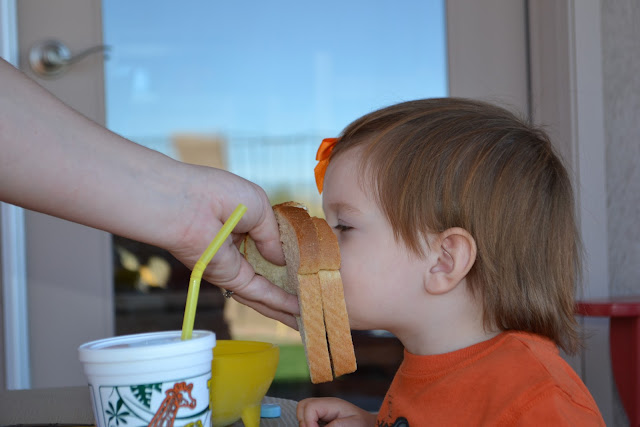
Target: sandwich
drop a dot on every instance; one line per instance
(312, 272)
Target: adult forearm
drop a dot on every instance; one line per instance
(54, 160)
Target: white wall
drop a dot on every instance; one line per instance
(545, 57)
(621, 88)
(487, 51)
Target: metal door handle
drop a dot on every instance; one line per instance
(51, 57)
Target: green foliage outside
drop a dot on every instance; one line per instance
(293, 364)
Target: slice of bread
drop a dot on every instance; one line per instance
(300, 245)
(343, 358)
(312, 273)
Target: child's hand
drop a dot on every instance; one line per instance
(332, 412)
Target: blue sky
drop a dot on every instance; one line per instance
(265, 68)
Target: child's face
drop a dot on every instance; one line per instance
(381, 278)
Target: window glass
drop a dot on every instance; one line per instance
(253, 87)
(264, 82)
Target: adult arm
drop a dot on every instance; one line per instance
(56, 161)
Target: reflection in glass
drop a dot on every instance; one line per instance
(253, 87)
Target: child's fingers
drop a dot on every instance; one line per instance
(313, 410)
(320, 411)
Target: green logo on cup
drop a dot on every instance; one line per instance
(143, 392)
(159, 404)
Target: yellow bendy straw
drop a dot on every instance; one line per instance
(198, 269)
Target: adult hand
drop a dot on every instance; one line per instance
(333, 411)
(211, 196)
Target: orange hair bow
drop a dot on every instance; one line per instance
(323, 155)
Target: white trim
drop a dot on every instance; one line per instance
(588, 101)
(13, 245)
(16, 324)
(568, 99)
(590, 136)
(9, 31)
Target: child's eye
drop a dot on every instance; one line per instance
(342, 227)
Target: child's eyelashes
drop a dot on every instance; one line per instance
(341, 227)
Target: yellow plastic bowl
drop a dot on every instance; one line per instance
(241, 374)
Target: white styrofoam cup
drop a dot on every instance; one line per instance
(151, 378)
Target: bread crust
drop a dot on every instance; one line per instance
(312, 257)
(304, 260)
(336, 319)
(328, 248)
(300, 244)
(313, 331)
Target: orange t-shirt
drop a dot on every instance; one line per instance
(514, 379)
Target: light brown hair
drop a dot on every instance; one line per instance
(434, 164)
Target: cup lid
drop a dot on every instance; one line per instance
(145, 346)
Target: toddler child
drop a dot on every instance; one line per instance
(457, 233)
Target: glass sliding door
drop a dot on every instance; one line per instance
(253, 87)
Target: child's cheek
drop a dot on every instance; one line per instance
(351, 275)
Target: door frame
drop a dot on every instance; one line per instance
(567, 97)
(69, 279)
(13, 281)
(564, 94)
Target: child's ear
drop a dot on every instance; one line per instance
(453, 253)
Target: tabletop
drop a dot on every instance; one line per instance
(72, 405)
